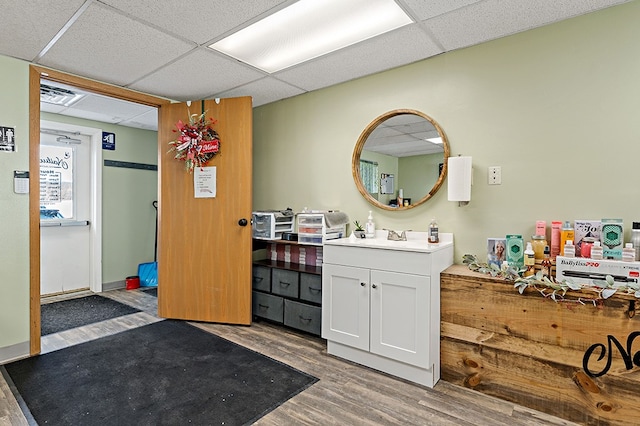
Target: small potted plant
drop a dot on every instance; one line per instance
(359, 231)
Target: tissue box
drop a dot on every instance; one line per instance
(583, 271)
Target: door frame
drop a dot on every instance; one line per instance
(35, 73)
(95, 208)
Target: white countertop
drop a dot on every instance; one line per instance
(416, 241)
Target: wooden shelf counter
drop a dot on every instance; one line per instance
(578, 362)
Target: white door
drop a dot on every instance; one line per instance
(67, 217)
(400, 317)
(345, 305)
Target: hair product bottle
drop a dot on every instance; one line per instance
(635, 238)
(434, 237)
(545, 266)
(596, 251)
(628, 253)
(370, 227)
(529, 261)
(556, 226)
(569, 249)
(566, 234)
(541, 228)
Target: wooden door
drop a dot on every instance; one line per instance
(204, 253)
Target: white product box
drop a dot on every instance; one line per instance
(583, 271)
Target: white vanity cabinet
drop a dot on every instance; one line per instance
(381, 303)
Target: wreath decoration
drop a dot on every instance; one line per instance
(198, 141)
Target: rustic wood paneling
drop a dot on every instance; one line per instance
(529, 349)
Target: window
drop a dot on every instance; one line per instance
(56, 182)
(369, 174)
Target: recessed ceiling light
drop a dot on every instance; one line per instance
(310, 28)
(435, 140)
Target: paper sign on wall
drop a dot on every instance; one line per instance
(204, 182)
(7, 139)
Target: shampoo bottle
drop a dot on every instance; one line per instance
(370, 227)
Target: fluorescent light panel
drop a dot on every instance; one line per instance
(435, 140)
(310, 28)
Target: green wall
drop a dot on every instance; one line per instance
(128, 217)
(14, 211)
(556, 107)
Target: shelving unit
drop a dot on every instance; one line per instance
(313, 229)
(288, 293)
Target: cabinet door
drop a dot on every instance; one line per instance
(400, 317)
(345, 305)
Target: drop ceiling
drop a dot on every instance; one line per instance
(160, 47)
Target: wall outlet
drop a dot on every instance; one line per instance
(495, 175)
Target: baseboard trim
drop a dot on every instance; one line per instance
(14, 352)
(114, 285)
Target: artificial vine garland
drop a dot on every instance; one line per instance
(198, 141)
(552, 289)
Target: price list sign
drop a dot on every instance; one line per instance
(50, 186)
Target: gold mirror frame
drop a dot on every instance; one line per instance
(355, 160)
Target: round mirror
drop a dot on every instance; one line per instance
(400, 160)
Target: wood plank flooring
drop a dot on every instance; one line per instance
(347, 394)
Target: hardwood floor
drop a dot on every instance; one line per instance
(347, 394)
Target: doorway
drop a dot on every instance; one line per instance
(70, 208)
(35, 75)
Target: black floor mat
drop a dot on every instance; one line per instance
(151, 291)
(166, 373)
(68, 314)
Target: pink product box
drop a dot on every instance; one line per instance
(585, 271)
(585, 228)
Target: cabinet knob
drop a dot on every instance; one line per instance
(363, 284)
(374, 286)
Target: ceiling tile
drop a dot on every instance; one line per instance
(28, 26)
(110, 47)
(490, 19)
(402, 46)
(197, 20)
(198, 75)
(263, 91)
(147, 121)
(429, 9)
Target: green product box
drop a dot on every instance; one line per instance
(612, 238)
(515, 251)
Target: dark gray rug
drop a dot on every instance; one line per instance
(68, 314)
(166, 373)
(153, 291)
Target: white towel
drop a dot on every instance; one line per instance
(334, 219)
